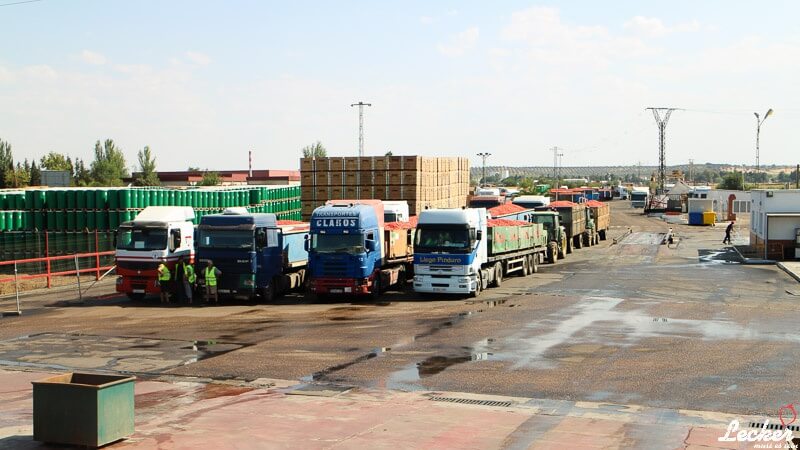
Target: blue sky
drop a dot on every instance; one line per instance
(204, 82)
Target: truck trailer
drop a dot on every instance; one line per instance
(601, 219)
(258, 255)
(573, 218)
(351, 253)
(463, 251)
(158, 234)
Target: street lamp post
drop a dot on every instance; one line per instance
(484, 155)
(759, 121)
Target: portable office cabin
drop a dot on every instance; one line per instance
(774, 219)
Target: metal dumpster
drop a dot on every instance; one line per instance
(83, 409)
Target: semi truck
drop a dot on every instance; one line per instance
(463, 251)
(258, 255)
(351, 253)
(158, 234)
(639, 196)
(601, 219)
(573, 218)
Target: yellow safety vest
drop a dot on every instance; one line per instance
(188, 272)
(163, 273)
(211, 276)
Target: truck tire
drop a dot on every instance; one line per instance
(498, 274)
(579, 241)
(525, 267)
(552, 253)
(534, 263)
(602, 235)
(478, 288)
(268, 293)
(597, 238)
(377, 285)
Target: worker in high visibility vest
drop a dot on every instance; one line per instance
(163, 282)
(211, 274)
(184, 273)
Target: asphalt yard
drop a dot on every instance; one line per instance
(630, 321)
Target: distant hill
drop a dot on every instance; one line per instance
(619, 171)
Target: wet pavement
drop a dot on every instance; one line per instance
(633, 322)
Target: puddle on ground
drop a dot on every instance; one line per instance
(323, 375)
(723, 256)
(595, 319)
(108, 353)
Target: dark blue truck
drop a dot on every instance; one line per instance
(258, 255)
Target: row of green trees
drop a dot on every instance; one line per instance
(108, 168)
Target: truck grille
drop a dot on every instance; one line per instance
(334, 269)
(137, 265)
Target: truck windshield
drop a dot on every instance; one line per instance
(226, 239)
(547, 221)
(449, 240)
(337, 243)
(132, 238)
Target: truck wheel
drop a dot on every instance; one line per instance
(579, 241)
(602, 235)
(526, 266)
(569, 246)
(498, 275)
(534, 264)
(552, 253)
(478, 288)
(268, 294)
(376, 287)
(401, 279)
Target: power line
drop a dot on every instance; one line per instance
(20, 2)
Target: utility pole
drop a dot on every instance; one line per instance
(691, 171)
(797, 177)
(361, 106)
(483, 156)
(555, 162)
(560, 165)
(661, 121)
(759, 121)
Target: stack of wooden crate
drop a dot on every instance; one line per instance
(422, 181)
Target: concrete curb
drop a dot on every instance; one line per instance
(792, 274)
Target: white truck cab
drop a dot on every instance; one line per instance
(449, 250)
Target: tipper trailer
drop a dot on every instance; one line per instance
(463, 251)
(158, 234)
(600, 214)
(573, 218)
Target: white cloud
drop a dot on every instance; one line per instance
(460, 43)
(547, 39)
(198, 58)
(93, 58)
(426, 20)
(653, 27)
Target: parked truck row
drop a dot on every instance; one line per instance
(356, 247)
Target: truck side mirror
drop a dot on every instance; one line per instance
(307, 244)
(171, 241)
(479, 234)
(371, 245)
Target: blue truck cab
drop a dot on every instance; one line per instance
(256, 255)
(345, 250)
